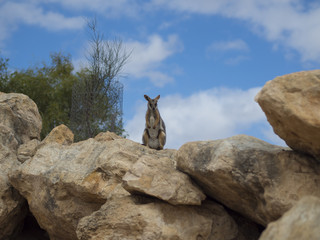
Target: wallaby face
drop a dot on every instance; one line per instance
(152, 103)
(154, 135)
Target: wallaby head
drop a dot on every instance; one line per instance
(152, 103)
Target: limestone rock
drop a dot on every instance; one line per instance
(64, 183)
(60, 134)
(19, 123)
(26, 151)
(291, 104)
(134, 218)
(247, 229)
(19, 113)
(12, 205)
(159, 178)
(7, 138)
(106, 136)
(257, 179)
(301, 222)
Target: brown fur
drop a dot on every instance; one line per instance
(156, 114)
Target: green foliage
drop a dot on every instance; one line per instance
(3, 73)
(89, 101)
(49, 86)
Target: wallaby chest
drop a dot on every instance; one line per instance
(153, 132)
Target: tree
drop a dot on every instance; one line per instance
(49, 86)
(4, 76)
(97, 95)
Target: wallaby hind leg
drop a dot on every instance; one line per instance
(162, 139)
(145, 138)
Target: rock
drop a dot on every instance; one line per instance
(134, 218)
(247, 229)
(159, 178)
(64, 183)
(60, 134)
(20, 122)
(7, 138)
(301, 222)
(26, 151)
(257, 179)
(106, 136)
(19, 113)
(291, 104)
(12, 205)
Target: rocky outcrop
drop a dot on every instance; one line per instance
(301, 222)
(257, 179)
(143, 218)
(291, 104)
(109, 187)
(76, 191)
(20, 122)
(64, 183)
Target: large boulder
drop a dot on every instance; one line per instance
(301, 222)
(252, 177)
(65, 182)
(20, 122)
(291, 104)
(135, 217)
(20, 113)
(159, 178)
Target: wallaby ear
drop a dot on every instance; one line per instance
(147, 97)
(157, 98)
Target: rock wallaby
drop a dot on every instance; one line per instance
(154, 135)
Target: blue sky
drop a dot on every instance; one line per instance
(207, 59)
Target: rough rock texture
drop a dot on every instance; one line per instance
(60, 134)
(250, 176)
(159, 178)
(106, 136)
(20, 114)
(301, 222)
(26, 151)
(19, 123)
(12, 205)
(291, 104)
(134, 218)
(63, 183)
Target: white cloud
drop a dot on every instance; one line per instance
(211, 114)
(147, 57)
(110, 8)
(291, 23)
(12, 14)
